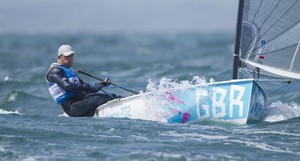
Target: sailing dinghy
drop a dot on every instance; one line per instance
(235, 101)
(267, 42)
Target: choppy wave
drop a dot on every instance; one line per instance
(279, 111)
(167, 84)
(4, 112)
(168, 62)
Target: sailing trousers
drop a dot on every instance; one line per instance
(85, 107)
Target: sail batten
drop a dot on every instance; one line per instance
(270, 36)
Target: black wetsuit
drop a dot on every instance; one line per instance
(84, 102)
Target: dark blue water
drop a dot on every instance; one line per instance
(32, 126)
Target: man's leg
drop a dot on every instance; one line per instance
(88, 105)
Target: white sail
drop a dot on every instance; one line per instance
(270, 36)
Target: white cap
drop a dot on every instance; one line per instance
(65, 50)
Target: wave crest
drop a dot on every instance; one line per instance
(166, 84)
(4, 112)
(279, 111)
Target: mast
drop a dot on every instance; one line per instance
(236, 59)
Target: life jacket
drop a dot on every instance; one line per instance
(59, 94)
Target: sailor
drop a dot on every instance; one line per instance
(77, 98)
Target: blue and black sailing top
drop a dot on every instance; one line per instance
(63, 83)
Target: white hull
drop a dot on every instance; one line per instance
(237, 101)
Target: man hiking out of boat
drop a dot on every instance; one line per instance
(77, 98)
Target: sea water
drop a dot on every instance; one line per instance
(33, 127)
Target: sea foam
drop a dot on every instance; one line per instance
(167, 84)
(279, 111)
(4, 112)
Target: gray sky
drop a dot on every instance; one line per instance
(72, 16)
